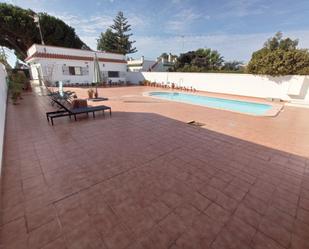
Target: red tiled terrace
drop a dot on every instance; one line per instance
(145, 179)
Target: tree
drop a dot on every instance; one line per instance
(277, 42)
(279, 57)
(232, 66)
(208, 59)
(18, 30)
(107, 41)
(17, 81)
(164, 56)
(118, 37)
(184, 59)
(201, 60)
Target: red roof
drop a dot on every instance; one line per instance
(53, 46)
(71, 57)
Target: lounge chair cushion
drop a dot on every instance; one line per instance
(78, 103)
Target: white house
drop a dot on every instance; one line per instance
(142, 65)
(70, 65)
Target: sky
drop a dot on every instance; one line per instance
(236, 28)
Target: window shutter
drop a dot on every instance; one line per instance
(78, 71)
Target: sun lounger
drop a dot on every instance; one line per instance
(68, 112)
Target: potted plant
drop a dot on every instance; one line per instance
(16, 93)
(17, 82)
(90, 93)
(146, 83)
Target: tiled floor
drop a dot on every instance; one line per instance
(143, 179)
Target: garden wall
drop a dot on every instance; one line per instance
(3, 98)
(286, 87)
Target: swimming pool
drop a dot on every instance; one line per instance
(227, 104)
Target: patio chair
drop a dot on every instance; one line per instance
(67, 95)
(66, 111)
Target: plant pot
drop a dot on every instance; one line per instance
(90, 95)
(96, 95)
(15, 96)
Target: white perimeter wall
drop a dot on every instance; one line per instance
(286, 87)
(3, 96)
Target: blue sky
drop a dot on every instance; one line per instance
(235, 28)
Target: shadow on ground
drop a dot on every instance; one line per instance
(142, 180)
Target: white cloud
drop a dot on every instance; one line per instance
(175, 26)
(86, 26)
(91, 41)
(94, 25)
(89, 29)
(188, 14)
(183, 19)
(176, 1)
(242, 8)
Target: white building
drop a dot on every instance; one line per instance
(50, 63)
(142, 65)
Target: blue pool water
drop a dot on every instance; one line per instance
(227, 104)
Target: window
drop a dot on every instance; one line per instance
(75, 70)
(78, 71)
(113, 74)
(72, 70)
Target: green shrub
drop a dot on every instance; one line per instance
(17, 81)
(279, 57)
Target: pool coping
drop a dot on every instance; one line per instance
(273, 112)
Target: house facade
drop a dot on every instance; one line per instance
(52, 64)
(143, 65)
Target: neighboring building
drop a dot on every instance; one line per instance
(142, 65)
(50, 63)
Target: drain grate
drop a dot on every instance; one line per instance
(195, 123)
